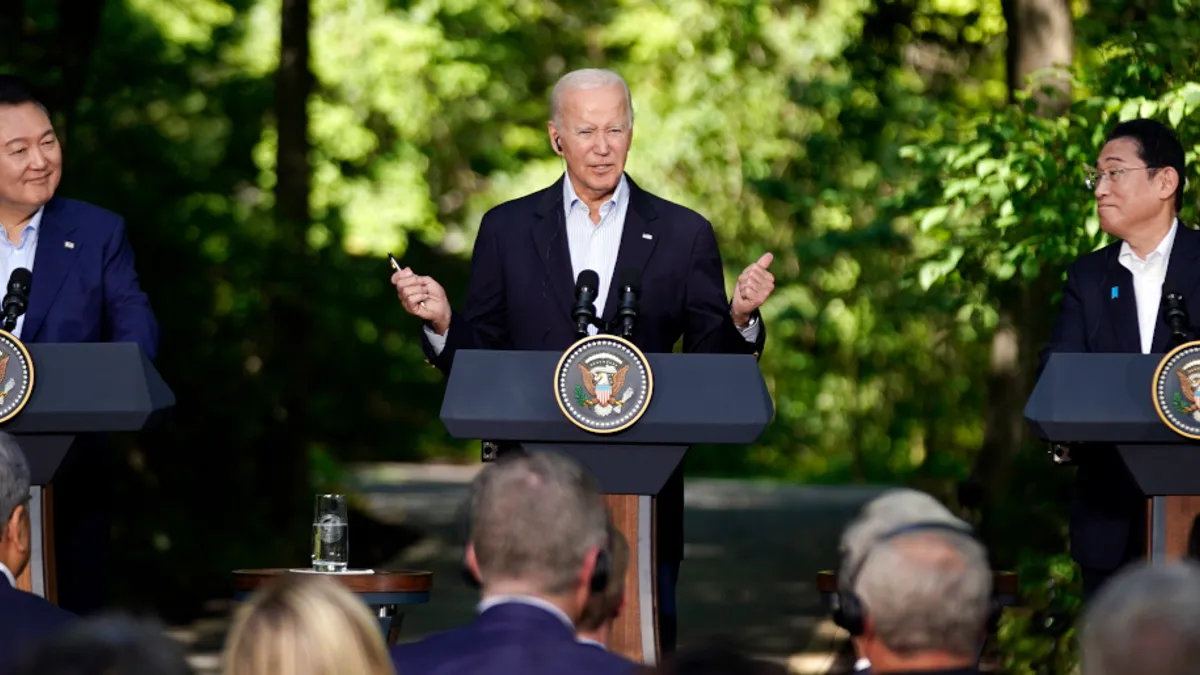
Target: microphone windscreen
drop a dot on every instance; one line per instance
(20, 277)
(631, 277)
(587, 279)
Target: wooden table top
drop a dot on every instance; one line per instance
(382, 581)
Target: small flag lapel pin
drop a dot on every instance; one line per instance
(68, 244)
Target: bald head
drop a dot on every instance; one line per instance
(923, 580)
(1145, 621)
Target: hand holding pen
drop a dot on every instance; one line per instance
(421, 296)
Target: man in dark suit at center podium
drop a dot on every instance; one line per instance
(1113, 302)
(530, 251)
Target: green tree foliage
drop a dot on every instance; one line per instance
(869, 145)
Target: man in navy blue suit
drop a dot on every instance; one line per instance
(84, 289)
(537, 546)
(24, 617)
(1112, 303)
(530, 251)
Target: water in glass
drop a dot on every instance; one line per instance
(331, 534)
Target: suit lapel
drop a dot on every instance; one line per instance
(50, 266)
(638, 238)
(550, 241)
(1181, 278)
(1122, 307)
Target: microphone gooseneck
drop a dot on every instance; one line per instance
(630, 287)
(1176, 315)
(587, 287)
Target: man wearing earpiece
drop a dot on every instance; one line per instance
(538, 549)
(915, 589)
(530, 251)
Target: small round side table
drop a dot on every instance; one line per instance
(384, 591)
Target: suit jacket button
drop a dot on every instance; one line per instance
(756, 355)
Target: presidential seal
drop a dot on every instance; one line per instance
(1177, 390)
(603, 384)
(16, 376)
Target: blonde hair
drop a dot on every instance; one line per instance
(305, 625)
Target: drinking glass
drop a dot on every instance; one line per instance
(331, 534)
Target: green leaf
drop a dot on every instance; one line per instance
(933, 217)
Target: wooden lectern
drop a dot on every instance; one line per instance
(698, 398)
(1106, 398)
(77, 389)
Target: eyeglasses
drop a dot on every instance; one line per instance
(1094, 176)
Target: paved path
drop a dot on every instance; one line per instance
(752, 550)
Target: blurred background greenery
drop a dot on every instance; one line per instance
(916, 166)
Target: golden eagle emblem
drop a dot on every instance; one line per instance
(603, 385)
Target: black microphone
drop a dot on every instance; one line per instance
(587, 288)
(1175, 313)
(17, 299)
(630, 287)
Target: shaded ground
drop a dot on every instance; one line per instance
(752, 551)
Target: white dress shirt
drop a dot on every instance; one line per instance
(590, 641)
(13, 255)
(1148, 277)
(529, 600)
(594, 246)
(12, 581)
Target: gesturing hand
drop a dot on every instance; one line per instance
(754, 286)
(424, 298)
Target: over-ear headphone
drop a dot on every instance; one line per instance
(847, 610)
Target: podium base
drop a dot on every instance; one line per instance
(1170, 522)
(38, 577)
(635, 632)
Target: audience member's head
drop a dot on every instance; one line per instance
(107, 645)
(305, 625)
(604, 608)
(538, 526)
(14, 506)
(923, 583)
(1144, 621)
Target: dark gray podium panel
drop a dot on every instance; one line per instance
(83, 388)
(1163, 470)
(698, 398)
(45, 453)
(623, 469)
(1098, 398)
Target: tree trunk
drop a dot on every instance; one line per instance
(1040, 45)
(286, 454)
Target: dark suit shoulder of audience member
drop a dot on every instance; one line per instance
(106, 645)
(26, 618)
(509, 639)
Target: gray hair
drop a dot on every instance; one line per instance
(534, 518)
(925, 590)
(580, 80)
(14, 476)
(1146, 620)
